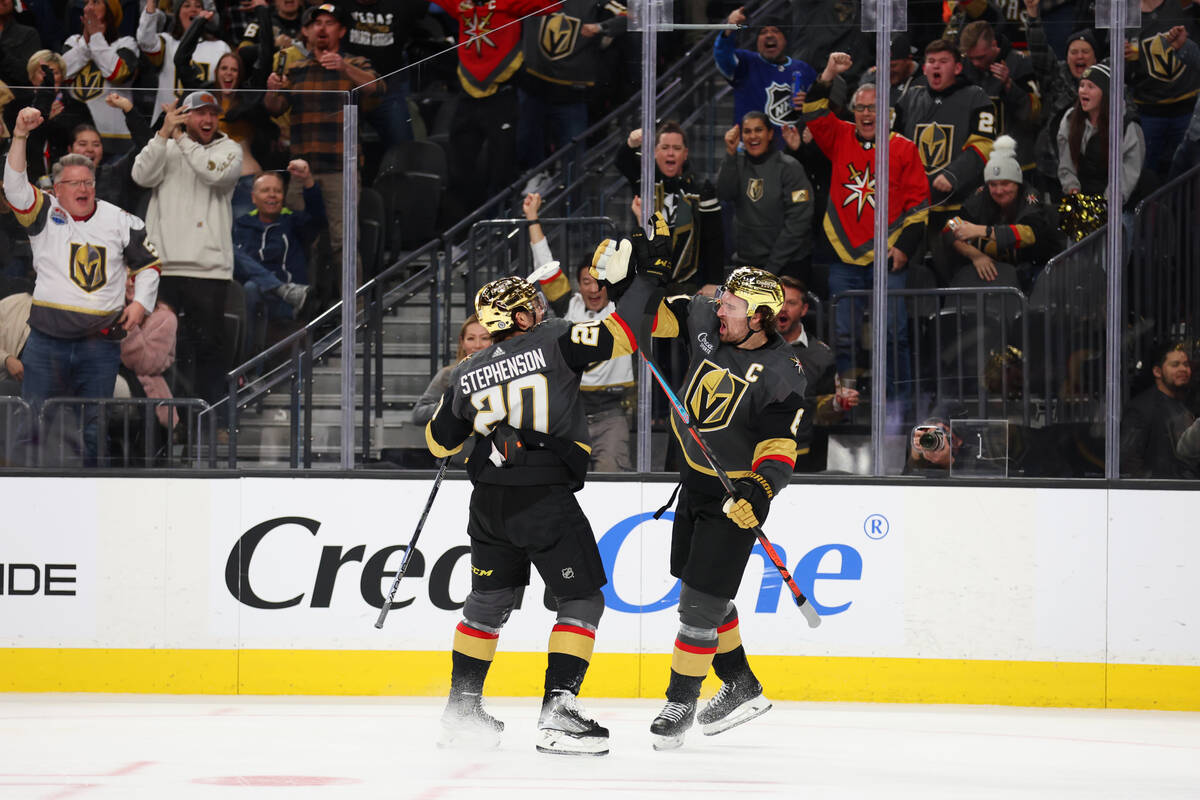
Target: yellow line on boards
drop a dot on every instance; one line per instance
(427, 673)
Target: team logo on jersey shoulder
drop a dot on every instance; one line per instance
(558, 34)
(713, 396)
(89, 266)
(779, 103)
(58, 216)
(933, 142)
(754, 189)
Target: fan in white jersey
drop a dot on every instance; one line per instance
(166, 49)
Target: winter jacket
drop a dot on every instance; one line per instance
(279, 246)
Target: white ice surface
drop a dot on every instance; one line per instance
(92, 747)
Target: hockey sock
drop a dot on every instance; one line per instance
(693, 653)
(730, 660)
(471, 658)
(569, 653)
(684, 688)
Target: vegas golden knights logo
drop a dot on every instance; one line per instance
(89, 83)
(89, 266)
(558, 34)
(754, 189)
(934, 142)
(713, 396)
(200, 69)
(1160, 59)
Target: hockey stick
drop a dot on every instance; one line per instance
(810, 614)
(412, 545)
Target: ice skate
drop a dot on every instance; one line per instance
(737, 702)
(564, 728)
(671, 724)
(466, 725)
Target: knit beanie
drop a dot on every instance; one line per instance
(1002, 164)
(1099, 75)
(772, 22)
(1086, 35)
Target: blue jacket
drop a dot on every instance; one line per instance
(759, 85)
(277, 247)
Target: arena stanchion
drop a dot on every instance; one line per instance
(412, 545)
(806, 608)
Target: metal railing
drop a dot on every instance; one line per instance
(289, 363)
(498, 247)
(1069, 303)
(1162, 284)
(952, 335)
(128, 432)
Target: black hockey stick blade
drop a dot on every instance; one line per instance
(391, 595)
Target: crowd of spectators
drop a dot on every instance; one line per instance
(219, 122)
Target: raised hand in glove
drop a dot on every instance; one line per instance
(750, 502)
(653, 249)
(611, 261)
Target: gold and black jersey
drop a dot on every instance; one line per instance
(953, 130)
(530, 382)
(747, 404)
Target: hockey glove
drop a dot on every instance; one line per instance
(610, 261)
(750, 502)
(653, 250)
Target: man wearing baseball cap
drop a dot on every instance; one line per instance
(308, 88)
(191, 168)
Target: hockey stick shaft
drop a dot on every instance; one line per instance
(412, 545)
(810, 614)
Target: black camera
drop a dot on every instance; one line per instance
(931, 438)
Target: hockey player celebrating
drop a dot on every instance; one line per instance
(521, 396)
(744, 391)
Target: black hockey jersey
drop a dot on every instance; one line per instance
(529, 382)
(747, 404)
(557, 52)
(1161, 82)
(953, 130)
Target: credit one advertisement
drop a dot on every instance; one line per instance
(895, 571)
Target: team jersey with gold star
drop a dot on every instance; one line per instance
(531, 383)
(489, 39)
(81, 264)
(850, 213)
(747, 404)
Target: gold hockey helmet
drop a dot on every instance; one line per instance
(757, 287)
(497, 302)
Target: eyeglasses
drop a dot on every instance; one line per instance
(88, 184)
(861, 108)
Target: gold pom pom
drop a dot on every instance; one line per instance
(1081, 214)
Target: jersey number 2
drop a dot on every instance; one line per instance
(509, 401)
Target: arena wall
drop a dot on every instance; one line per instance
(965, 594)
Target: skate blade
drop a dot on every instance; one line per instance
(564, 743)
(666, 742)
(752, 708)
